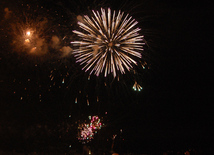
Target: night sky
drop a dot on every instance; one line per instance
(173, 111)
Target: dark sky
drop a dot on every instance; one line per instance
(174, 110)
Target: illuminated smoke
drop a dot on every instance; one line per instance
(55, 42)
(66, 50)
(7, 13)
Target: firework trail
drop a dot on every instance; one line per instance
(109, 43)
(137, 87)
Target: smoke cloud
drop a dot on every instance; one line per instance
(66, 50)
(80, 18)
(7, 13)
(55, 42)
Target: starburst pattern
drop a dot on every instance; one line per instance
(110, 43)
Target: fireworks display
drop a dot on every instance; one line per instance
(109, 43)
(68, 67)
(47, 75)
(87, 131)
(30, 35)
(36, 31)
(137, 87)
(95, 123)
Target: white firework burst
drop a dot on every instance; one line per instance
(109, 43)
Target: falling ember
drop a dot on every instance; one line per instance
(110, 43)
(137, 87)
(143, 65)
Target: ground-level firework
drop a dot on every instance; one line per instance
(87, 131)
(109, 43)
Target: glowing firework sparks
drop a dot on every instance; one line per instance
(95, 123)
(110, 43)
(32, 32)
(28, 33)
(27, 40)
(87, 131)
(137, 87)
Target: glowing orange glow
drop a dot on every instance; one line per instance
(33, 50)
(28, 33)
(27, 40)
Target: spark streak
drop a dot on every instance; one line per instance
(137, 87)
(109, 43)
